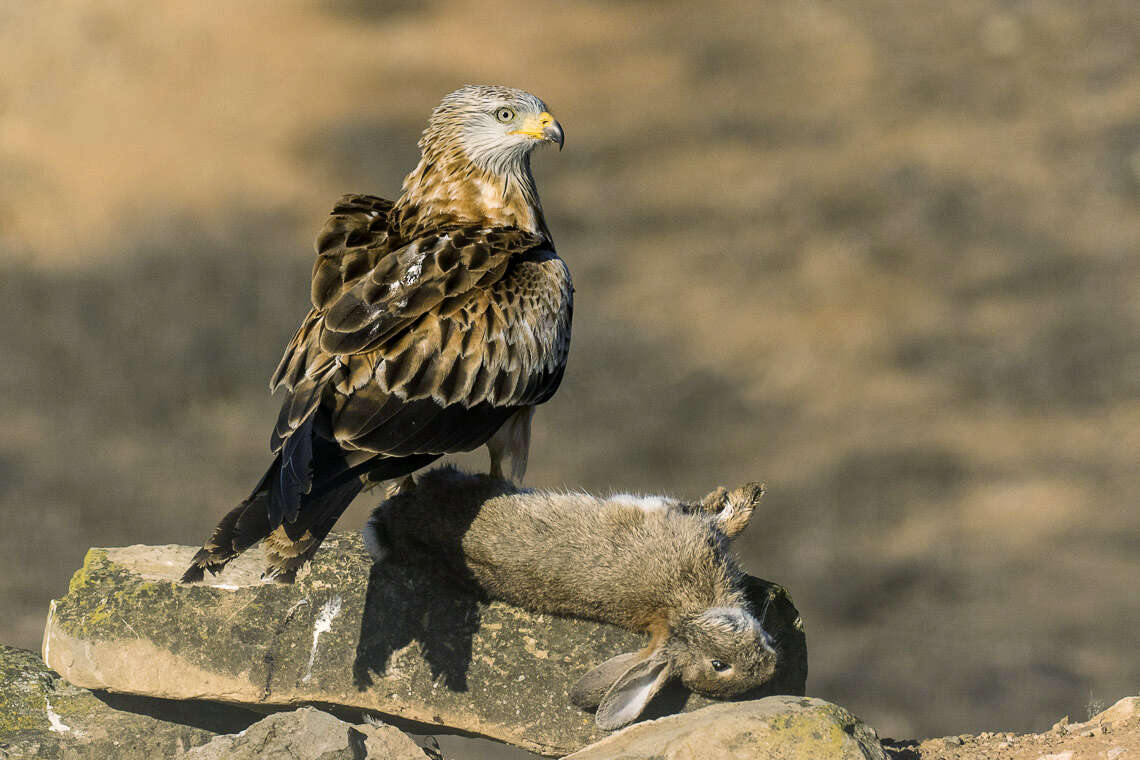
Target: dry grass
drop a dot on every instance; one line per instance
(880, 255)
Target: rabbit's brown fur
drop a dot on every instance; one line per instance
(647, 564)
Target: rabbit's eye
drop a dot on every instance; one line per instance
(720, 666)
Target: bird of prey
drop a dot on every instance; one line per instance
(438, 322)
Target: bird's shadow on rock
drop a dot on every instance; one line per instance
(411, 601)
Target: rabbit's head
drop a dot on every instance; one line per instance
(721, 652)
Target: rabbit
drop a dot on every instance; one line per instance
(648, 564)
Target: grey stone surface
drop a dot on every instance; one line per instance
(775, 728)
(310, 734)
(400, 640)
(43, 716)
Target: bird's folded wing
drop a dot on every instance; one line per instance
(433, 344)
(436, 272)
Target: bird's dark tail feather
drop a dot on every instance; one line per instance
(291, 544)
(228, 539)
(286, 555)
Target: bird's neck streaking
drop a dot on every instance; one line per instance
(454, 188)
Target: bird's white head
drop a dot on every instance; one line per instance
(476, 159)
(495, 127)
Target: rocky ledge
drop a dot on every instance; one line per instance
(44, 717)
(190, 672)
(396, 640)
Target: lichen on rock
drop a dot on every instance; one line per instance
(43, 716)
(777, 728)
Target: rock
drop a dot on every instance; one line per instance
(309, 734)
(776, 728)
(1122, 711)
(397, 639)
(43, 716)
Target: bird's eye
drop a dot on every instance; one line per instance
(504, 115)
(720, 666)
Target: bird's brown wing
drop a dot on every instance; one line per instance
(433, 346)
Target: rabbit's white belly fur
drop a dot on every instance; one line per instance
(645, 503)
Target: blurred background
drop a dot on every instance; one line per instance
(879, 254)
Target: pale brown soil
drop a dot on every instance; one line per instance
(1111, 735)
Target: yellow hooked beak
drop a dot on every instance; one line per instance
(542, 127)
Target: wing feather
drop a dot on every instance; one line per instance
(426, 344)
(371, 410)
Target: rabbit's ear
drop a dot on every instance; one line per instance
(632, 691)
(590, 689)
